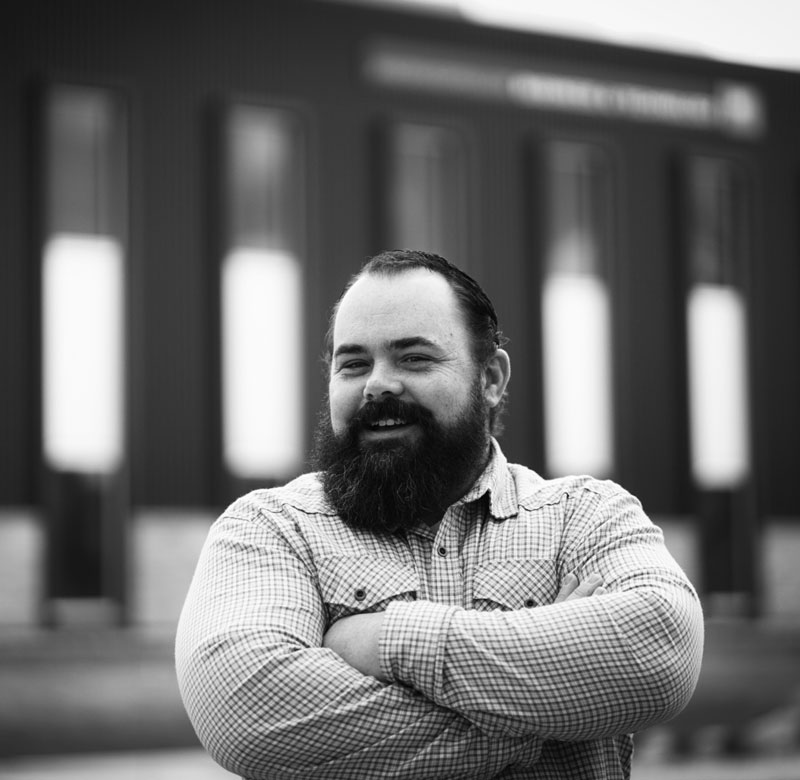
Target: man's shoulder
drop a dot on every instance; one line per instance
(534, 491)
(303, 494)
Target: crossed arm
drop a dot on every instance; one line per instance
(356, 638)
(273, 694)
(580, 669)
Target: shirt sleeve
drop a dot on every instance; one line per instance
(579, 670)
(267, 701)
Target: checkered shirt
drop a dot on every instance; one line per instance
(489, 678)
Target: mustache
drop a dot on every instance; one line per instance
(390, 407)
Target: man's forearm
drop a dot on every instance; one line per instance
(307, 718)
(356, 638)
(576, 671)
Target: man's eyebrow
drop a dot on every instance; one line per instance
(403, 343)
(412, 341)
(348, 349)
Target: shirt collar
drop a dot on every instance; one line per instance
(496, 480)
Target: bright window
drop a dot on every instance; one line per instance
(576, 314)
(83, 282)
(83, 349)
(716, 325)
(262, 296)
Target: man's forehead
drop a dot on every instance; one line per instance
(412, 304)
(418, 304)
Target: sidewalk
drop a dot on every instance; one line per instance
(196, 765)
(190, 764)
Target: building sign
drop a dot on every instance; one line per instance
(732, 108)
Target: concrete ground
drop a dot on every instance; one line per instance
(194, 764)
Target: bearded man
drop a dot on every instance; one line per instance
(418, 607)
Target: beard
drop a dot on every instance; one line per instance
(388, 486)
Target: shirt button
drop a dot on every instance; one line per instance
(442, 550)
(529, 602)
(360, 594)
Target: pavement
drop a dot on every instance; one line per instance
(188, 764)
(194, 764)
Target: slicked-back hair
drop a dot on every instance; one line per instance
(479, 313)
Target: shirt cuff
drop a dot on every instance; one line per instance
(411, 645)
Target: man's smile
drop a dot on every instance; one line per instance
(387, 427)
(388, 423)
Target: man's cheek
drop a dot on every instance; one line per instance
(340, 412)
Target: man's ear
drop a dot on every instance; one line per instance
(496, 372)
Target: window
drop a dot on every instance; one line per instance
(576, 312)
(716, 324)
(83, 282)
(262, 294)
(426, 190)
(83, 311)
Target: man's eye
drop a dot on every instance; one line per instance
(418, 360)
(352, 365)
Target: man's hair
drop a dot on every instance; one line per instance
(478, 311)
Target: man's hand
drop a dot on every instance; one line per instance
(572, 588)
(355, 638)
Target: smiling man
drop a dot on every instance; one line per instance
(418, 607)
(407, 433)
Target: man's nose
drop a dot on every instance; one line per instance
(382, 381)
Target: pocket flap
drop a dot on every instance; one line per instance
(362, 582)
(514, 584)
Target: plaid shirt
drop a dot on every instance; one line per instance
(490, 678)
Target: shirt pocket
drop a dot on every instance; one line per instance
(351, 584)
(515, 584)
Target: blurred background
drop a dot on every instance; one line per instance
(186, 188)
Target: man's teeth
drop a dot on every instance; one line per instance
(388, 423)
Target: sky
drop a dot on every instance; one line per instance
(755, 32)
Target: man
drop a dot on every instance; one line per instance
(419, 607)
